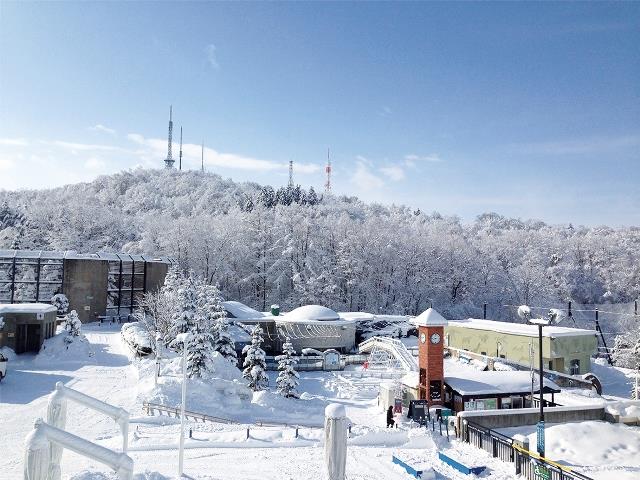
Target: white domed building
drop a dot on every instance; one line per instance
(317, 327)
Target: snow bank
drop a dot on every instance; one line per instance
(223, 394)
(624, 409)
(93, 475)
(64, 348)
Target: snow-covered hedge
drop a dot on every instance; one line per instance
(137, 338)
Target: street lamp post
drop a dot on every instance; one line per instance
(554, 316)
(183, 338)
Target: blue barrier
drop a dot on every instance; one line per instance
(459, 466)
(410, 470)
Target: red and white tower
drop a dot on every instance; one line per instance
(431, 356)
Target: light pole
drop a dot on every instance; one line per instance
(183, 338)
(554, 316)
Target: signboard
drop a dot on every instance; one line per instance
(541, 471)
(397, 405)
(418, 410)
(435, 390)
(39, 316)
(87, 308)
(540, 436)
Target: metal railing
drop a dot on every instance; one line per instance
(528, 464)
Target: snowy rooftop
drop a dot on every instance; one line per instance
(430, 317)
(520, 328)
(311, 312)
(494, 382)
(26, 255)
(241, 311)
(26, 308)
(357, 316)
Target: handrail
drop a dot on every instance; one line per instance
(149, 406)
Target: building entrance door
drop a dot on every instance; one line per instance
(27, 338)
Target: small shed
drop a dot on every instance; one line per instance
(26, 325)
(493, 390)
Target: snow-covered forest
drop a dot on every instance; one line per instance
(294, 246)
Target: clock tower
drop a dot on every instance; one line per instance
(431, 356)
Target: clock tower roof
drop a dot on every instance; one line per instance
(430, 318)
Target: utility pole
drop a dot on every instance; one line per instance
(290, 173)
(327, 185)
(202, 158)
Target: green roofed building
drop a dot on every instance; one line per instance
(565, 350)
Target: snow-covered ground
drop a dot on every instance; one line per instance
(222, 451)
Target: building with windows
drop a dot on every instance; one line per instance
(99, 285)
(565, 350)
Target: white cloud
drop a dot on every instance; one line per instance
(394, 172)
(157, 148)
(212, 58)
(95, 164)
(363, 179)
(412, 159)
(101, 128)
(14, 142)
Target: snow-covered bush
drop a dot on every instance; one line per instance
(61, 302)
(255, 365)
(288, 379)
(626, 349)
(137, 338)
(72, 325)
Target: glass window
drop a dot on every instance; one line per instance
(574, 367)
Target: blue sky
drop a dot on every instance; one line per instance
(528, 109)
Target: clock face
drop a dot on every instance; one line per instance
(435, 339)
(423, 337)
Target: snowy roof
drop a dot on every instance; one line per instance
(431, 318)
(241, 311)
(311, 312)
(495, 382)
(523, 329)
(26, 308)
(73, 255)
(357, 316)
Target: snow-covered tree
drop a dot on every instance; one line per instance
(61, 302)
(626, 349)
(287, 381)
(183, 317)
(72, 325)
(255, 365)
(200, 350)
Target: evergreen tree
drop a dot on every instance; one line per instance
(61, 302)
(225, 345)
(255, 365)
(200, 350)
(72, 326)
(184, 313)
(287, 380)
(312, 197)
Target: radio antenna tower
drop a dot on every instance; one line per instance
(169, 161)
(180, 164)
(327, 186)
(291, 173)
(202, 157)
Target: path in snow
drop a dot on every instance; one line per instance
(106, 375)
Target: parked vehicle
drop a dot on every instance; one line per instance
(3, 366)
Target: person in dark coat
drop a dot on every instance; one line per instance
(390, 421)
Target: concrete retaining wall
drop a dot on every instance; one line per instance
(529, 416)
